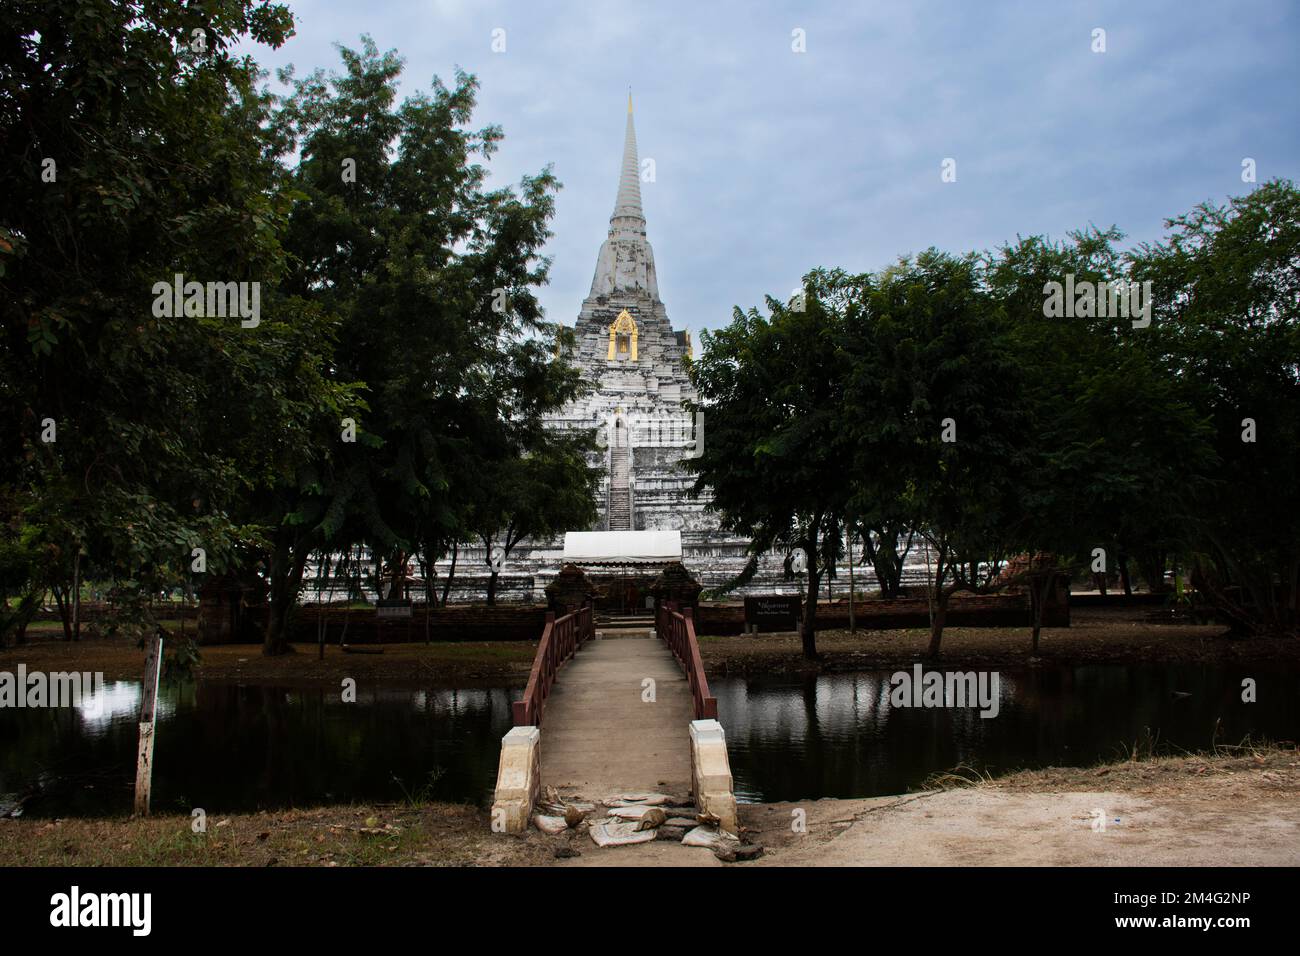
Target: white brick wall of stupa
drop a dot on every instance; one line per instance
(714, 557)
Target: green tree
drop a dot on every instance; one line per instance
(1113, 449)
(937, 398)
(1226, 286)
(431, 276)
(771, 388)
(137, 154)
(538, 491)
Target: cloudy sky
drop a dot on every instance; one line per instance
(770, 162)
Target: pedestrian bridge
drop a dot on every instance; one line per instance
(613, 708)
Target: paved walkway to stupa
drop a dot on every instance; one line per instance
(602, 735)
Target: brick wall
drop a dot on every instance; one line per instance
(996, 610)
(459, 623)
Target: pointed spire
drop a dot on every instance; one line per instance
(628, 204)
(626, 264)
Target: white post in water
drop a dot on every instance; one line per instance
(144, 759)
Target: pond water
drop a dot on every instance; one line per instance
(228, 748)
(839, 736)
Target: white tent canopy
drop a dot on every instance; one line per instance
(622, 547)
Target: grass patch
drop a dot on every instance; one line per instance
(430, 834)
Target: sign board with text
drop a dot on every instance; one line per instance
(393, 609)
(775, 612)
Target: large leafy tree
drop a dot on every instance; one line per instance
(135, 150)
(432, 277)
(1227, 329)
(771, 388)
(936, 399)
(878, 418)
(1113, 452)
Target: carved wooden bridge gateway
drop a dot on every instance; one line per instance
(623, 708)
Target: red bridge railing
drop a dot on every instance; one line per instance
(561, 638)
(677, 628)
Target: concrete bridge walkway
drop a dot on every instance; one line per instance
(601, 737)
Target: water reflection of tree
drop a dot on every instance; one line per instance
(258, 737)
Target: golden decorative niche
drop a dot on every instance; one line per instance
(622, 336)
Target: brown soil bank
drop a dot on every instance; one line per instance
(1240, 810)
(504, 662)
(1098, 635)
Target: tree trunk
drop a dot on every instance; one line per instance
(1292, 620)
(285, 577)
(936, 625)
(429, 571)
(1152, 565)
(23, 612)
(451, 572)
(322, 619)
(808, 623)
(424, 556)
(397, 588)
(65, 612)
(492, 588)
(276, 641)
(1124, 579)
(27, 608)
(853, 589)
(355, 592)
(1039, 591)
(76, 595)
(885, 560)
(939, 597)
(1035, 616)
(273, 643)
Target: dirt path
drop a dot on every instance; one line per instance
(1187, 811)
(1183, 811)
(1171, 812)
(984, 827)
